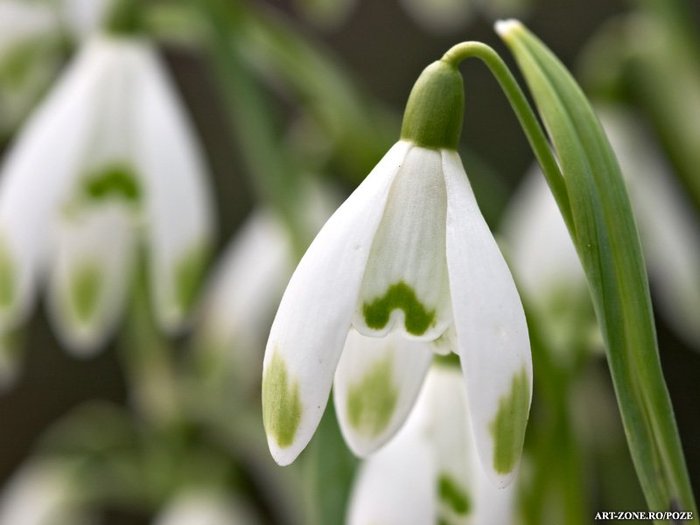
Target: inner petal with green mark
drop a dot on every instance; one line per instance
(281, 402)
(405, 286)
(453, 495)
(508, 427)
(116, 181)
(371, 401)
(7, 277)
(85, 289)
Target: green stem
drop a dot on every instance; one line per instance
(147, 356)
(524, 112)
(275, 175)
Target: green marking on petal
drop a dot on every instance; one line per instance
(85, 288)
(417, 318)
(372, 401)
(281, 403)
(7, 277)
(454, 496)
(189, 271)
(113, 182)
(508, 428)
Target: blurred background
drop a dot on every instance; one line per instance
(293, 102)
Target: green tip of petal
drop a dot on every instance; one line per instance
(84, 292)
(114, 182)
(435, 108)
(7, 277)
(281, 403)
(508, 428)
(189, 272)
(372, 401)
(399, 296)
(453, 495)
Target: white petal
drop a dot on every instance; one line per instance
(540, 249)
(443, 403)
(240, 298)
(85, 17)
(90, 275)
(178, 205)
(491, 330)
(395, 485)
(440, 16)
(21, 21)
(405, 286)
(40, 494)
(376, 385)
(205, 507)
(311, 325)
(37, 176)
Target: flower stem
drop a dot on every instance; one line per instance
(524, 112)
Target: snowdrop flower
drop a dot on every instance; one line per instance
(202, 507)
(107, 159)
(31, 43)
(405, 267)
(544, 257)
(430, 472)
(41, 493)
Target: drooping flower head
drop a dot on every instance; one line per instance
(405, 268)
(107, 161)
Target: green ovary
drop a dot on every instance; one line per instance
(281, 403)
(116, 181)
(372, 401)
(508, 428)
(7, 278)
(454, 496)
(417, 318)
(84, 292)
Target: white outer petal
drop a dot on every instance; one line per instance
(315, 313)
(21, 21)
(396, 485)
(102, 237)
(440, 16)
(540, 249)
(39, 494)
(205, 507)
(405, 360)
(85, 17)
(178, 204)
(40, 169)
(489, 319)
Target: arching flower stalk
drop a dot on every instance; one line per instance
(107, 162)
(405, 268)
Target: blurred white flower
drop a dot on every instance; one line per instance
(448, 16)
(41, 493)
(430, 472)
(107, 159)
(31, 44)
(407, 260)
(205, 507)
(543, 256)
